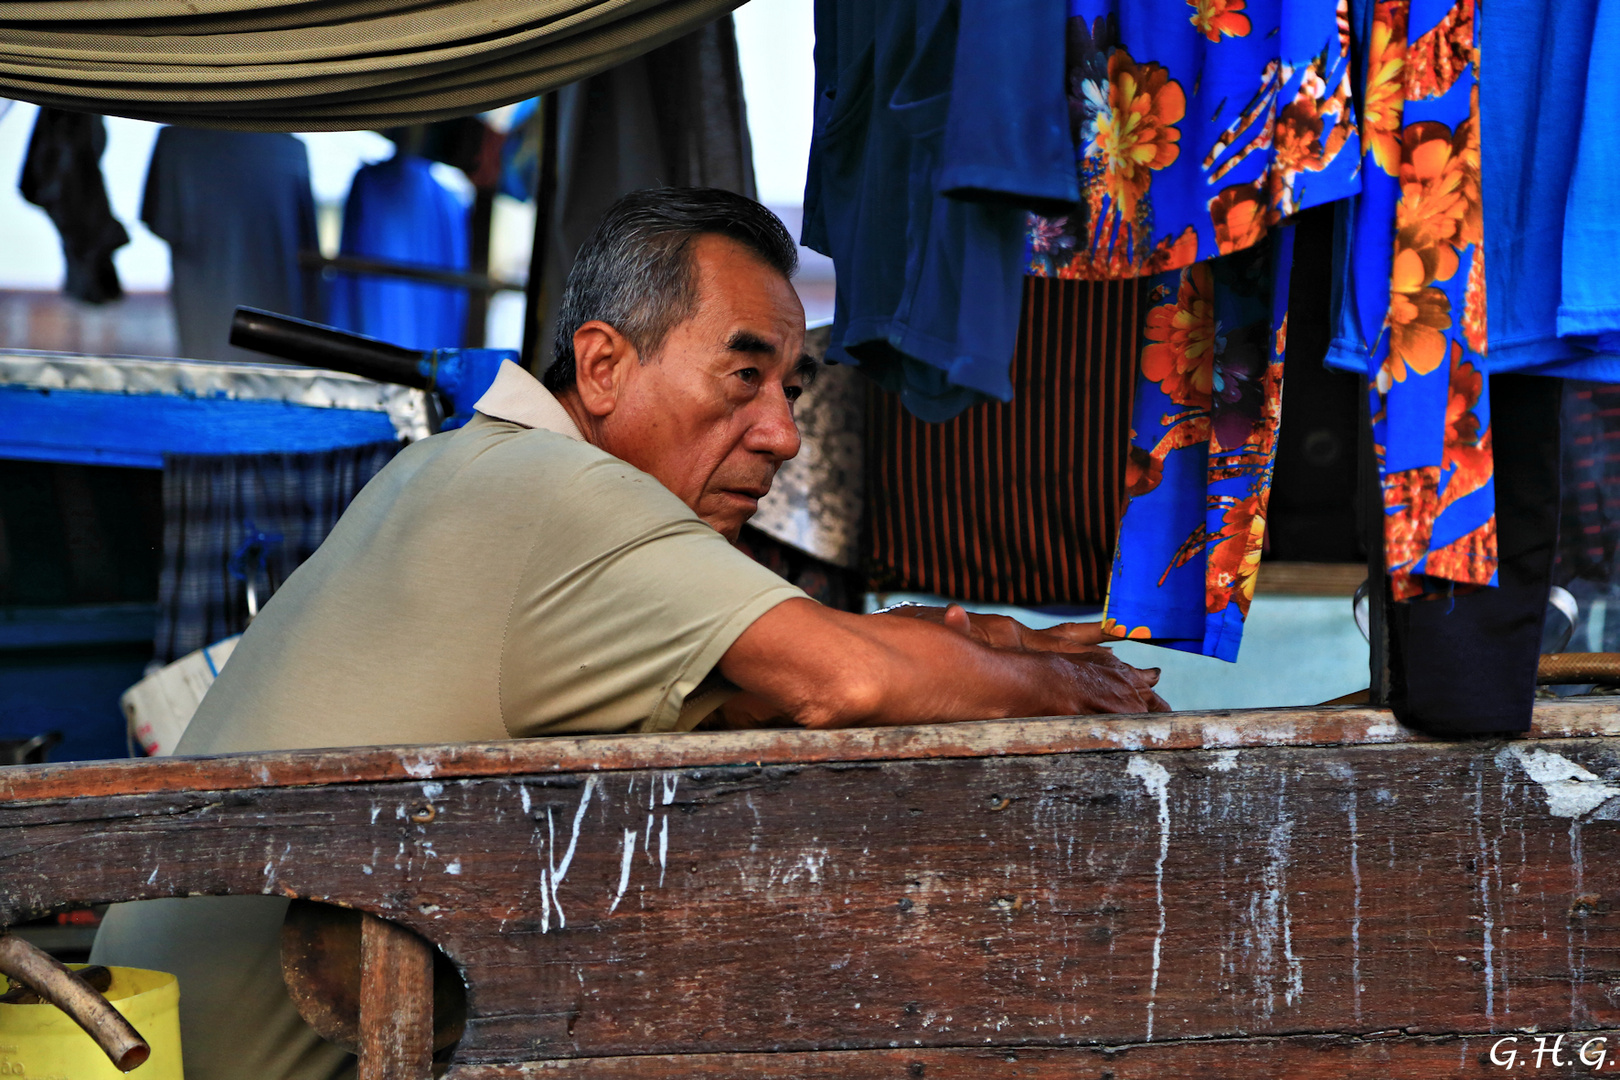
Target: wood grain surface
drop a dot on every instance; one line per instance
(396, 1003)
(1237, 728)
(1050, 907)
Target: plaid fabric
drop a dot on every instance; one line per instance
(212, 504)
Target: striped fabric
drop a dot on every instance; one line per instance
(212, 503)
(1017, 503)
(1589, 534)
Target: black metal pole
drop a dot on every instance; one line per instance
(545, 198)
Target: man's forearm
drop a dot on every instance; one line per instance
(824, 668)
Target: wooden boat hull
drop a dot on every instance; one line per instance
(1276, 893)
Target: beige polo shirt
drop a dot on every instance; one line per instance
(507, 579)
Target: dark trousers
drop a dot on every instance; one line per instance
(1466, 665)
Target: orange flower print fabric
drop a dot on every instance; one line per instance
(1198, 126)
(1415, 318)
(1204, 437)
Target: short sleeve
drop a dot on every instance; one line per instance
(616, 619)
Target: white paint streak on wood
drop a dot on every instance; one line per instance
(624, 868)
(1577, 969)
(559, 870)
(1156, 778)
(1489, 923)
(663, 848)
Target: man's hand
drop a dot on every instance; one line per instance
(1002, 631)
(1111, 685)
(824, 668)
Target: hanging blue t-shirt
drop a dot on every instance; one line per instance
(937, 123)
(1542, 119)
(397, 211)
(1590, 302)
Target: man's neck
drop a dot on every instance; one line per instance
(589, 426)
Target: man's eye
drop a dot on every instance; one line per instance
(793, 392)
(749, 375)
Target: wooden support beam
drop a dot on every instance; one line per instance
(396, 1003)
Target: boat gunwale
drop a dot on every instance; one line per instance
(1237, 729)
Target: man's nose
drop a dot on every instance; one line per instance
(774, 431)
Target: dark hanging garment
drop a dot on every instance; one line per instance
(938, 123)
(674, 117)
(236, 209)
(1589, 527)
(1017, 503)
(1466, 664)
(215, 507)
(62, 176)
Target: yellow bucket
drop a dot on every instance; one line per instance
(41, 1042)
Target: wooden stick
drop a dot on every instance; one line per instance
(396, 1003)
(67, 991)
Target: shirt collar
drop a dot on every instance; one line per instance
(517, 397)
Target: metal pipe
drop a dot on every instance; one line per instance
(46, 976)
(322, 346)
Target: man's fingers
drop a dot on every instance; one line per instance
(1081, 633)
(957, 618)
(1155, 703)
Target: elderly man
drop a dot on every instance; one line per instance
(564, 564)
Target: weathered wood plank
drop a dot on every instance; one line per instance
(1394, 1056)
(1331, 726)
(396, 1003)
(1062, 900)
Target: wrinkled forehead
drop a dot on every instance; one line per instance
(738, 290)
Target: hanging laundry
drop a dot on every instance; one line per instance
(1412, 294)
(1198, 126)
(62, 176)
(236, 209)
(398, 212)
(672, 116)
(938, 123)
(1551, 185)
(1015, 503)
(1465, 664)
(1208, 407)
(1589, 306)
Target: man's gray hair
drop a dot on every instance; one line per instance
(635, 271)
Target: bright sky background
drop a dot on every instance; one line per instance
(774, 39)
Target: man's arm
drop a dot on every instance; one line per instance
(823, 668)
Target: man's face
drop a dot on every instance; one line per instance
(711, 414)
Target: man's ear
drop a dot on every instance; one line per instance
(602, 359)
